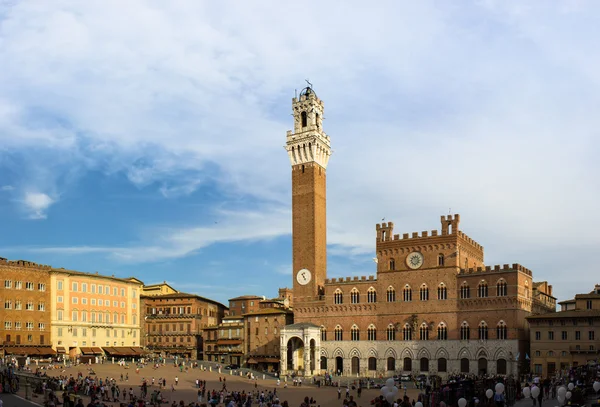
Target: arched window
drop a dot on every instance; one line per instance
(407, 333)
(424, 332)
(323, 333)
(464, 365)
(354, 333)
(501, 288)
(442, 292)
(424, 365)
(391, 333)
(483, 331)
(407, 293)
(424, 293)
(371, 333)
(354, 296)
(392, 264)
(372, 363)
(526, 289)
(440, 259)
(465, 291)
(465, 331)
(442, 332)
(501, 330)
(391, 294)
(442, 365)
(338, 333)
(482, 289)
(391, 364)
(304, 119)
(371, 295)
(338, 297)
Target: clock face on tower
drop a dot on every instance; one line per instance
(414, 260)
(303, 277)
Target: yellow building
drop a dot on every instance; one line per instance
(92, 314)
(157, 289)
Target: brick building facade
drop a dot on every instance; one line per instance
(433, 307)
(25, 300)
(174, 323)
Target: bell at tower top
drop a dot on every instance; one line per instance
(308, 142)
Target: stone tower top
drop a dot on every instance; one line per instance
(308, 143)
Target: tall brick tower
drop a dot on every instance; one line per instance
(309, 149)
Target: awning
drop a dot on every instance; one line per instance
(19, 351)
(88, 351)
(97, 350)
(271, 360)
(60, 349)
(46, 350)
(251, 361)
(229, 342)
(124, 351)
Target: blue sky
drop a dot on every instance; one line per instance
(145, 138)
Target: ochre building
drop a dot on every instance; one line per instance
(568, 338)
(433, 306)
(25, 309)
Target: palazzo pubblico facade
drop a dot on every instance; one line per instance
(432, 308)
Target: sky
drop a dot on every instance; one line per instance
(145, 138)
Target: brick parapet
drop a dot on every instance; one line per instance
(23, 263)
(497, 268)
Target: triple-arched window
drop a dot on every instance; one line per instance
(323, 333)
(371, 333)
(483, 331)
(371, 295)
(391, 294)
(501, 288)
(354, 296)
(338, 297)
(442, 332)
(354, 333)
(391, 333)
(407, 293)
(338, 333)
(424, 332)
(482, 289)
(442, 292)
(501, 330)
(465, 291)
(424, 293)
(465, 331)
(407, 333)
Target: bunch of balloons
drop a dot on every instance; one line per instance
(597, 386)
(532, 392)
(390, 392)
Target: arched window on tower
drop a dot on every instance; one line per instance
(354, 296)
(304, 119)
(371, 333)
(338, 297)
(483, 331)
(442, 292)
(424, 332)
(391, 333)
(501, 288)
(501, 330)
(526, 289)
(465, 331)
(354, 333)
(440, 259)
(391, 294)
(482, 289)
(392, 264)
(338, 333)
(407, 333)
(442, 332)
(371, 295)
(323, 333)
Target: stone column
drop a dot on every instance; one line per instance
(306, 360)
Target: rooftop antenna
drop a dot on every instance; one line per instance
(309, 84)
(296, 93)
(449, 211)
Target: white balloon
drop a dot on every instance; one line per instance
(489, 393)
(568, 395)
(394, 390)
(418, 404)
(390, 398)
(596, 386)
(560, 399)
(462, 402)
(390, 382)
(499, 388)
(571, 386)
(526, 392)
(384, 391)
(561, 391)
(535, 392)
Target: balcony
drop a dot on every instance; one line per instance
(584, 349)
(172, 316)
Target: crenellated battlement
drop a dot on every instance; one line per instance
(469, 240)
(23, 263)
(353, 279)
(497, 268)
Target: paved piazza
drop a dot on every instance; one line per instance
(186, 390)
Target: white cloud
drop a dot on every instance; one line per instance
(7, 188)
(487, 108)
(36, 204)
